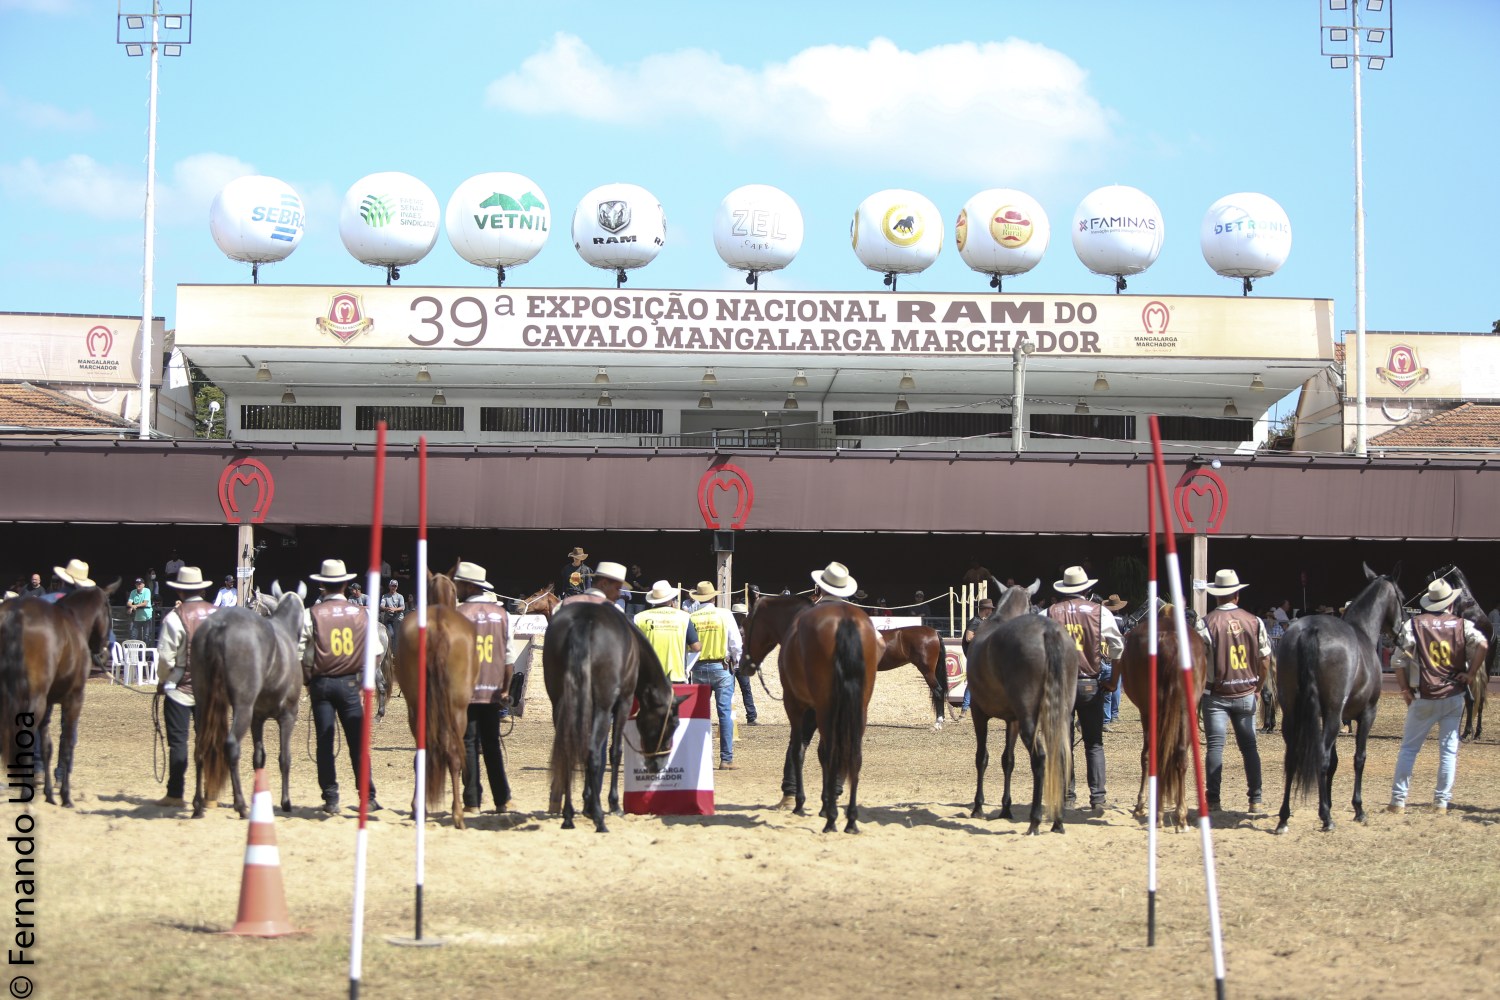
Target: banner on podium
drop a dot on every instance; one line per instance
(685, 784)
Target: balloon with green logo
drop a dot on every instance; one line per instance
(389, 220)
(498, 220)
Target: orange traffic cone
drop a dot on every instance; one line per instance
(262, 896)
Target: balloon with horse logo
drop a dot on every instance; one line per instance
(896, 232)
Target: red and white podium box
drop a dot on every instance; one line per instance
(685, 784)
(957, 666)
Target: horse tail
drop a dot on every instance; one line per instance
(847, 714)
(939, 675)
(1052, 719)
(570, 736)
(15, 684)
(211, 690)
(1303, 727)
(1171, 727)
(445, 739)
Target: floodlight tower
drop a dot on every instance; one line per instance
(1343, 31)
(130, 32)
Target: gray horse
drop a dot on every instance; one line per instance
(247, 665)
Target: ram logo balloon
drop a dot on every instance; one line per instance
(619, 227)
(1246, 236)
(1117, 231)
(257, 220)
(389, 220)
(1001, 232)
(896, 232)
(758, 228)
(498, 220)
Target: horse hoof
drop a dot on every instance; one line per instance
(938, 724)
(851, 828)
(830, 827)
(786, 803)
(1328, 827)
(1281, 830)
(1005, 813)
(286, 806)
(976, 813)
(567, 824)
(1033, 830)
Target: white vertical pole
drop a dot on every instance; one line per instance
(1360, 421)
(150, 252)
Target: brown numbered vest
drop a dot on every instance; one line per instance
(1082, 621)
(192, 614)
(492, 632)
(1441, 653)
(1236, 638)
(338, 638)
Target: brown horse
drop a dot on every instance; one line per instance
(1133, 671)
(922, 647)
(1023, 668)
(544, 602)
(827, 665)
(452, 669)
(44, 661)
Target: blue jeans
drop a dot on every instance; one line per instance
(1421, 715)
(1218, 715)
(1112, 699)
(747, 694)
(722, 681)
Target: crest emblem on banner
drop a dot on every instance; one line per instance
(1402, 368)
(246, 472)
(728, 478)
(1200, 482)
(345, 318)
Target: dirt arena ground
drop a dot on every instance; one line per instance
(752, 902)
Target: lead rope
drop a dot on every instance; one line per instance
(158, 742)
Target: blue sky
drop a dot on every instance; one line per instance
(830, 102)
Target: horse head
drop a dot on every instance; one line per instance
(543, 602)
(441, 591)
(1016, 601)
(1377, 609)
(769, 620)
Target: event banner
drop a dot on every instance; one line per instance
(750, 322)
(61, 349)
(685, 784)
(1430, 365)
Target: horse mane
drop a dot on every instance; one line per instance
(440, 590)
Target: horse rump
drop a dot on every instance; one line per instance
(1302, 721)
(566, 658)
(1053, 716)
(847, 713)
(15, 684)
(228, 637)
(445, 742)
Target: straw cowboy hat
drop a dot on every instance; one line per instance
(1438, 596)
(704, 591)
(76, 573)
(1226, 582)
(189, 578)
(9, 594)
(333, 572)
(835, 579)
(1114, 602)
(1074, 581)
(661, 592)
(474, 573)
(739, 609)
(578, 553)
(610, 571)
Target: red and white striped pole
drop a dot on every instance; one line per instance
(361, 843)
(1205, 825)
(421, 809)
(1151, 708)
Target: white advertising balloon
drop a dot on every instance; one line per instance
(618, 227)
(1002, 232)
(758, 228)
(498, 220)
(896, 232)
(1246, 235)
(257, 220)
(389, 220)
(1118, 231)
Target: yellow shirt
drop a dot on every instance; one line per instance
(666, 629)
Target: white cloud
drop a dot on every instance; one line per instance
(44, 116)
(79, 183)
(1001, 112)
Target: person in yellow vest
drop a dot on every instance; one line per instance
(720, 645)
(477, 602)
(669, 630)
(179, 710)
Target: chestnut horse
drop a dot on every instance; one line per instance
(829, 653)
(1133, 671)
(922, 647)
(594, 662)
(544, 602)
(1023, 668)
(44, 661)
(452, 670)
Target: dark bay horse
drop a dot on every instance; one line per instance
(44, 661)
(90, 606)
(1023, 669)
(245, 671)
(1328, 673)
(922, 647)
(1133, 671)
(594, 661)
(452, 670)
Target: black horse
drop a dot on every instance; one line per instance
(593, 662)
(247, 665)
(1328, 673)
(1023, 668)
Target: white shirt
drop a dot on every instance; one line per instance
(227, 597)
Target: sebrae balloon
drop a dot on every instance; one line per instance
(257, 220)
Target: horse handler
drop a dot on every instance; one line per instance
(477, 602)
(1241, 651)
(1094, 631)
(721, 646)
(334, 633)
(176, 681)
(1430, 673)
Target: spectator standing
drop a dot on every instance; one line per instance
(1096, 635)
(975, 573)
(179, 711)
(576, 576)
(1439, 651)
(1240, 650)
(392, 609)
(228, 596)
(139, 603)
(1113, 604)
(741, 614)
(609, 581)
(669, 630)
(357, 594)
(174, 565)
(477, 602)
(719, 639)
(984, 609)
(34, 588)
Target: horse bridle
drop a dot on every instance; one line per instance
(658, 752)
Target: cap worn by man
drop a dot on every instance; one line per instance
(578, 554)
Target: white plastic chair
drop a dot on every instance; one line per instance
(117, 663)
(140, 662)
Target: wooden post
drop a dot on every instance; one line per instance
(725, 578)
(244, 573)
(1200, 573)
